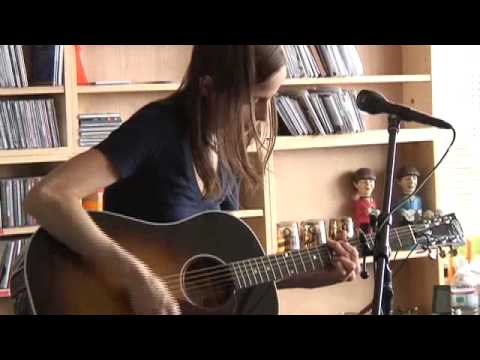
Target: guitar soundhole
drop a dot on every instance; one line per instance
(207, 282)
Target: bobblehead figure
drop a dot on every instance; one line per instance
(412, 210)
(364, 204)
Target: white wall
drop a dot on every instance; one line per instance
(456, 98)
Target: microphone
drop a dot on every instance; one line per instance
(374, 103)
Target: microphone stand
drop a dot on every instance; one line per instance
(383, 291)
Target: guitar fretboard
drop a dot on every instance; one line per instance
(278, 267)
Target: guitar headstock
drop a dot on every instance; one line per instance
(434, 234)
(440, 232)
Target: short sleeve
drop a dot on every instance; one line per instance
(129, 146)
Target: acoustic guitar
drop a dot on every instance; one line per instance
(213, 263)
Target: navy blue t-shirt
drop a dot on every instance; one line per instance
(153, 156)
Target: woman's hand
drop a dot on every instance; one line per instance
(345, 267)
(346, 263)
(149, 295)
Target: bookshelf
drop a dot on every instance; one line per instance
(403, 73)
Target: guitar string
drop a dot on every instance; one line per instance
(227, 279)
(246, 273)
(226, 283)
(297, 259)
(356, 243)
(226, 274)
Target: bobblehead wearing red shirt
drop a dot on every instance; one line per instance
(364, 203)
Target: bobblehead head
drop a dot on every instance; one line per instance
(407, 178)
(364, 182)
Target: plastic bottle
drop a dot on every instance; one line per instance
(463, 291)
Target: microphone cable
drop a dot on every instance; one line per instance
(422, 184)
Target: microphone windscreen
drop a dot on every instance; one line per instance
(371, 102)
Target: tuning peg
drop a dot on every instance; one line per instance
(453, 252)
(441, 252)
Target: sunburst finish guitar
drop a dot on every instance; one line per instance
(213, 264)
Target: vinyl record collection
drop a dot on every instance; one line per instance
(28, 123)
(313, 61)
(319, 113)
(23, 66)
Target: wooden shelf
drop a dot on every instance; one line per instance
(127, 88)
(33, 90)
(26, 230)
(370, 137)
(245, 214)
(34, 155)
(367, 79)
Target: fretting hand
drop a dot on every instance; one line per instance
(346, 262)
(346, 267)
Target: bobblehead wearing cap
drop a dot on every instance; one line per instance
(364, 174)
(407, 171)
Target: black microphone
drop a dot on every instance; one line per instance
(374, 103)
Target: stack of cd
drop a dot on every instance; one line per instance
(94, 128)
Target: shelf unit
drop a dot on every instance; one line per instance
(320, 164)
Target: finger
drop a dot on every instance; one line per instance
(171, 311)
(350, 249)
(352, 276)
(175, 309)
(339, 267)
(353, 254)
(343, 236)
(337, 248)
(347, 264)
(171, 305)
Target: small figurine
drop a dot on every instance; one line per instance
(364, 203)
(412, 210)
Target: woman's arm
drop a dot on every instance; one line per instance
(56, 202)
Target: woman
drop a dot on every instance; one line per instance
(172, 159)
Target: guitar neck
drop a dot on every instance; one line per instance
(278, 267)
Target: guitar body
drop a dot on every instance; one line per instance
(54, 280)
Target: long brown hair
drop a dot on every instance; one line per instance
(217, 123)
